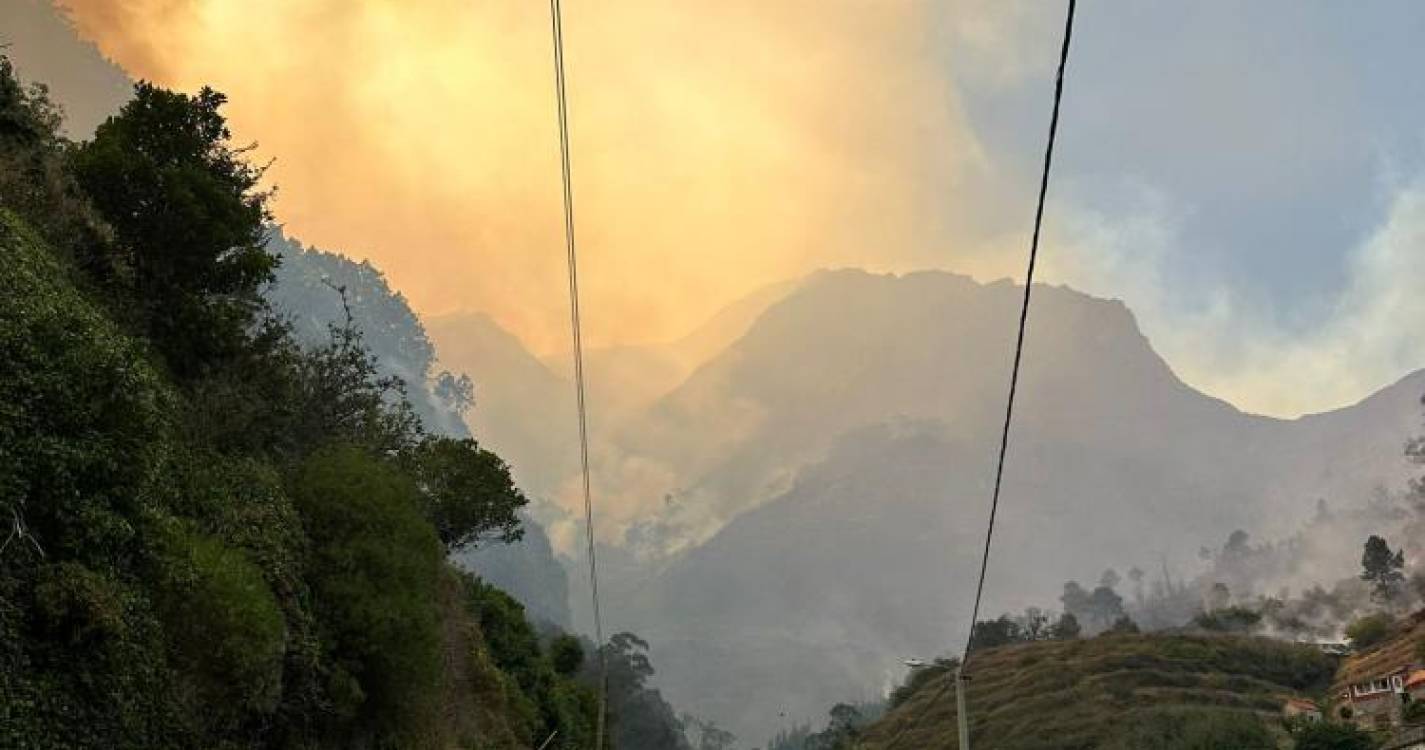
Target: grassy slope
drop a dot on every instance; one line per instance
(1075, 694)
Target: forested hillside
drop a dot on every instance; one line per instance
(223, 529)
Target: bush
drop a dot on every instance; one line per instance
(83, 416)
(1229, 620)
(373, 569)
(566, 654)
(1369, 630)
(224, 627)
(1326, 735)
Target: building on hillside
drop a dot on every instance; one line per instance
(1377, 702)
(1300, 708)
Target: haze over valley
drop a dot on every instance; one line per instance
(290, 453)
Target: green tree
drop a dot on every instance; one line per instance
(1382, 568)
(1034, 624)
(566, 654)
(341, 396)
(1000, 631)
(373, 569)
(1124, 625)
(466, 491)
(638, 714)
(188, 222)
(1369, 630)
(1229, 620)
(1067, 627)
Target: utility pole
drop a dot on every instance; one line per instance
(960, 715)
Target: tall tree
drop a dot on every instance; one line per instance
(468, 493)
(1382, 568)
(187, 217)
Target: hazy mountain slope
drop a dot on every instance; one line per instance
(528, 570)
(867, 556)
(624, 380)
(729, 324)
(306, 292)
(522, 410)
(850, 349)
(835, 461)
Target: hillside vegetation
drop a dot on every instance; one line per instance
(1121, 691)
(215, 534)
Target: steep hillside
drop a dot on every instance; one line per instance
(216, 536)
(1108, 692)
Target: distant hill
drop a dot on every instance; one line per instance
(836, 462)
(1107, 692)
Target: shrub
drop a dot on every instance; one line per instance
(224, 627)
(373, 569)
(1326, 735)
(566, 654)
(1369, 630)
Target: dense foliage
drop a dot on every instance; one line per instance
(215, 534)
(1325, 735)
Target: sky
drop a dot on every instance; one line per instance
(1246, 176)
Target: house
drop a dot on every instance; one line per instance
(1300, 708)
(1376, 702)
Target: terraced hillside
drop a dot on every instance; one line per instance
(1110, 692)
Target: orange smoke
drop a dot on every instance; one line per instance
(716, 148)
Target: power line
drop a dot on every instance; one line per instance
(1023, 319)
(565, 172)
(1013, 375)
